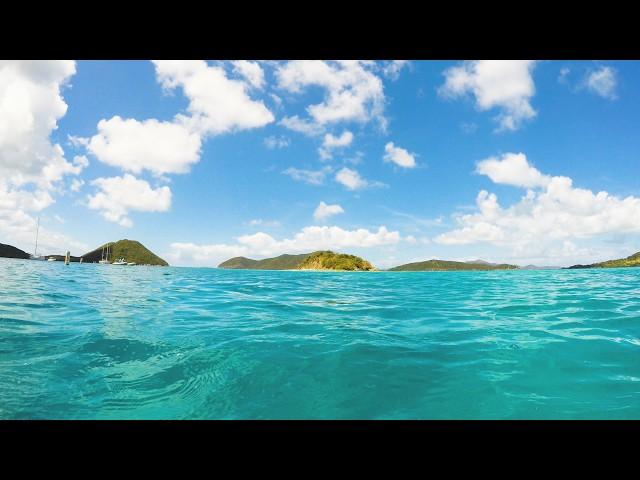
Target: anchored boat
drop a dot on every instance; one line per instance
(105, 258)
(35, 252)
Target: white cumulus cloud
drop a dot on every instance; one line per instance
(504, 84)
(261, 244)
(31, 165)
(332, 142)
(217, 104)
(352, 180)
(399, 156)
(133, 146)
(251, 71)
(187, 253)
(603, 82)
(116, 196)
(512, 169)
(353, 93)
(551, 212)
(30, 106)
(323, 211)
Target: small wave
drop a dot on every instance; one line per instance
(203, 343)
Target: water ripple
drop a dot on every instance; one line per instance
(93, 341)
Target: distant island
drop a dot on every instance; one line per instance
(130, 250)
(448, 265)
(320, 260)
(134, 252)
(535, 267)
(283, 262)
(9, 251)
(630, 261)
(328, 260)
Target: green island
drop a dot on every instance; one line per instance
(328, 260)
(135, 252)
(130, 250)
(448, 265)
(630, 261)
(282, 262)
(9, 251)
(320, 260)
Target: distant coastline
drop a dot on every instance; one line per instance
(133, 252)
(129, 252)
(322, 260)
(630, 261)
(293, 262)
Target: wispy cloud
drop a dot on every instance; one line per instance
(272, 142)
(352, 180)
(417, 220)
(312, 177)
(602, 82)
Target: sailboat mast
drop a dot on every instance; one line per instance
(35, 252)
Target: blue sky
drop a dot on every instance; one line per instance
(525, 162)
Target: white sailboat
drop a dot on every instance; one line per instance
(105, 258)
(35, 252)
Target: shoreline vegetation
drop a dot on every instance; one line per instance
(324, 260)
(9, 251)
(132, 251)
(321, 260)
(630, 261)
(333, 261)
(446, 265)
(328, 260)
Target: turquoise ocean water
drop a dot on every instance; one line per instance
(107, 342)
